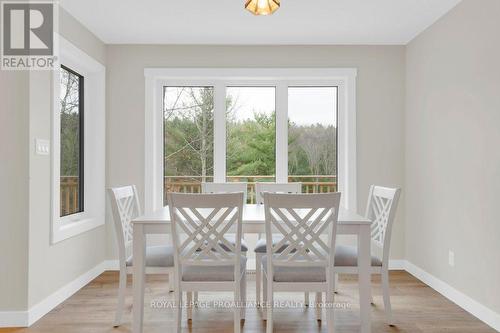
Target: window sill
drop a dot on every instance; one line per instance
(64, 230)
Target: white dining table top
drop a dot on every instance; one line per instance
(252, 213)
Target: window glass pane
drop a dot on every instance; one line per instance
(188, 138)
(251, 136)
(312, 138)
(71, 166)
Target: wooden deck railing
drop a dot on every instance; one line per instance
(192, 184)
(69, 195)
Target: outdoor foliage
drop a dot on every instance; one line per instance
(70, 124)
(188, 146)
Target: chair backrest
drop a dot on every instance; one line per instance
(125, 207)
(199, 225)
(301, 219)
(290, 188)
(381, 210)
(225, 188)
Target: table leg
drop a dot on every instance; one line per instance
(364, 277)
(138, 256)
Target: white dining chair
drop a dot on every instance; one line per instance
(260, 247)
(200, 223)
(225, 188)
(291, 188)
(381, 210)
(301, 260)
(228, 188)
(159, 259)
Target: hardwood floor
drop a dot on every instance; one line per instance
(417, 308)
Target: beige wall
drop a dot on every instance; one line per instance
(452, 174)
(14, 191)
(380, 93)
(53, 266)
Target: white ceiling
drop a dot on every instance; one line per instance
(226, 21)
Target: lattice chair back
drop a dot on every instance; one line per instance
(301, 219)
(125, 207)
(225, 188)
(199, 225)
(290, 188)
(381, 210)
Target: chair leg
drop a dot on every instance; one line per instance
(195, 298)
(236, 310)
(336, 283)
(243, 296)
(122, 287)
(178, 308)
(318, 300)
(270, 306)
(189, 301)
(171, 282)
(330, 300)
(264, 298)
(258, 277)
(306, 298)
(387, 297)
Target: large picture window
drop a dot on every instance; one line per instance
(71, 142)
(250, 125)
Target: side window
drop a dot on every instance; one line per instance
(71, 142)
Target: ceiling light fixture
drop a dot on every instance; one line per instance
(262, 7)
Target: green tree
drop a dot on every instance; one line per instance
(251, 145)
(70, 124)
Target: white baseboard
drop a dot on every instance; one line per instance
(470, 305)
(397, 265)
(14, 319)
(111, 265)
(49, 303)
(28, 318)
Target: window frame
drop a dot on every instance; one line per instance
(220, 78)
(93, 150)
(81, 140)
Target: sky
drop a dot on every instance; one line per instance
(306, 105)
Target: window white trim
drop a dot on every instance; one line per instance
(94, 148)
(219, 78)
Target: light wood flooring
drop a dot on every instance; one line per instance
(416, 307)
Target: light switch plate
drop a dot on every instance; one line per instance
(451, 258)
(42, 147)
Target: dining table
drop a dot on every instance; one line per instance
(158, 222)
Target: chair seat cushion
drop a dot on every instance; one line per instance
(348, 256)
(157, 256)
(212, 273)
(344, 256)
(296, 274)
(260, 247)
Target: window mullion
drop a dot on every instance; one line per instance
(282, 132)
(219, 132)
